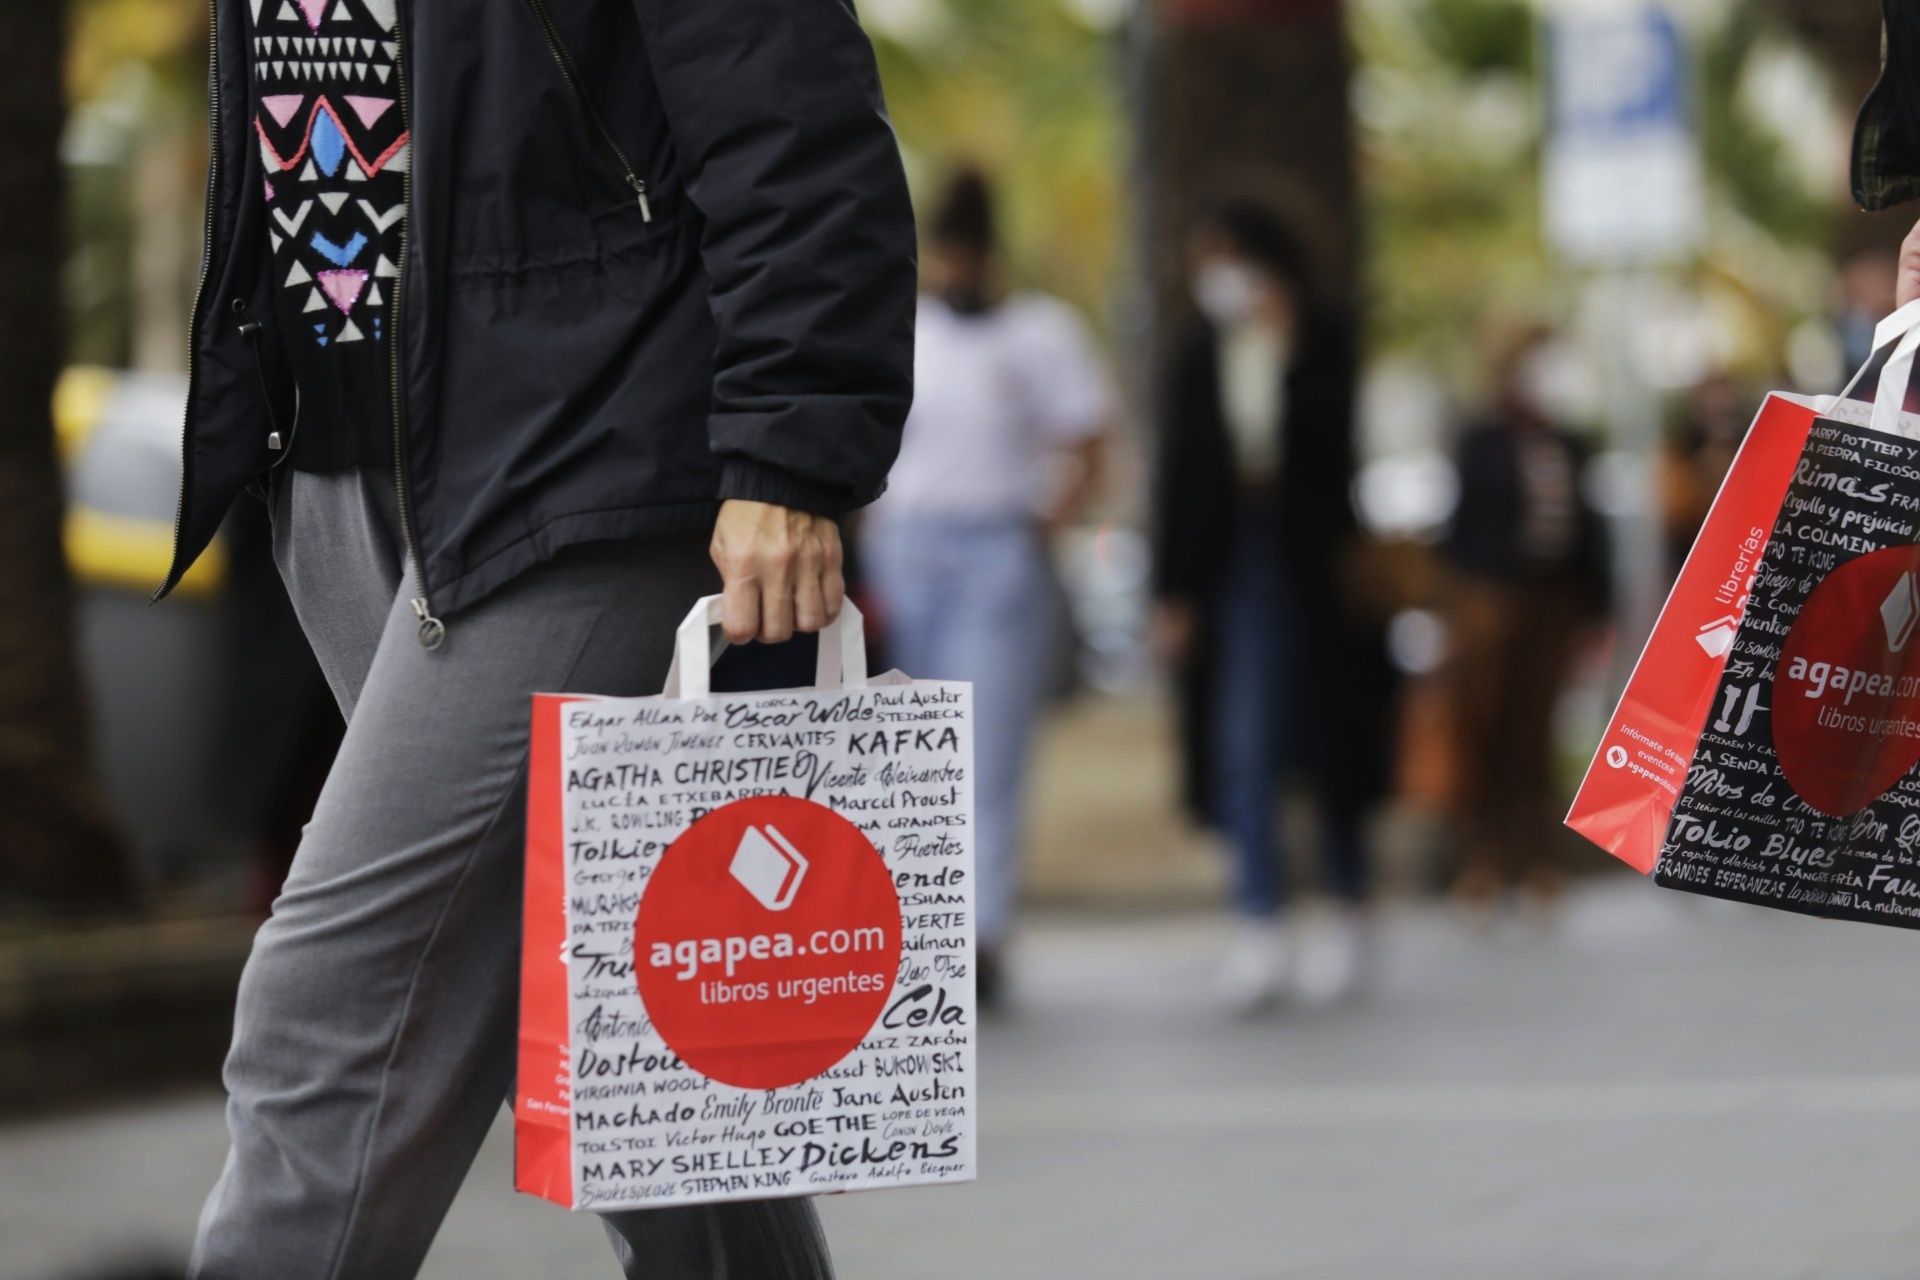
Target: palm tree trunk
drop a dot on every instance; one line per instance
(57, 845)
(1248, 98)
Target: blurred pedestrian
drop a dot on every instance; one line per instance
(513, 396)
(1001, 450)
(1529, 556)
(1254, 529)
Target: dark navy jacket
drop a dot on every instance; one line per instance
(567, 369)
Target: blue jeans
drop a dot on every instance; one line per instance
(1266, 707)
(964, 601)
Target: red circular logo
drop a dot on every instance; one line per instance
(1846, 693)
(767, 941)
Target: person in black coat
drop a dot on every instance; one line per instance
(1253, 529)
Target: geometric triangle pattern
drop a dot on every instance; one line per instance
(344, 288)
(321, 134)
(281, 106)
(368, 108)
(335, 144)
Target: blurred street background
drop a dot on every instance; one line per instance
(1660, 1087)
(1510, 276)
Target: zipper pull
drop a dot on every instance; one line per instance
(250, 331)
(640, 189)
(433, 632)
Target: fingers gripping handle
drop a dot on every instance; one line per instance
(843, 652)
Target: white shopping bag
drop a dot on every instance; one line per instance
(748, 960)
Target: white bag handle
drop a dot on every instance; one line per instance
(843, 652)
(1897, 338)
(1896, 325)
(1890, 401)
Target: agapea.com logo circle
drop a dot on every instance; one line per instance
(767, 941)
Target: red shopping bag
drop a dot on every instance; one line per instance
(1764, 749)
(1626, 800)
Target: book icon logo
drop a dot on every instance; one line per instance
(1899, 611)
(767, 866)
(1717, 636)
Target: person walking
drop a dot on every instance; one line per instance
(524, 318)
(1002, 449)
(1529, 560)
(1253, 529)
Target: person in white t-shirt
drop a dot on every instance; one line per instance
(1002, 447)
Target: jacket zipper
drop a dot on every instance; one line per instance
(200, 289)
(563, 58)
(432, 631)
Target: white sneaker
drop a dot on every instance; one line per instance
(1334, 957)
(1254, 972)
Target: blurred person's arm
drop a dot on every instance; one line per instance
(776, 111)
(1178, 503)
(1085, 468)
(1594, 555)
(1476, 533)
(1173, 623)
(1321, 428)
(1072, 402)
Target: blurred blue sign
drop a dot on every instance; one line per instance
(1616, 75)
(1621, 170)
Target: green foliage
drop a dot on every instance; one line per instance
(1478, 36)
(1449, 134)
(1746, 160)
(1029, 90)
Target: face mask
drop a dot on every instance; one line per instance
(1539, 382)
(1225, 291)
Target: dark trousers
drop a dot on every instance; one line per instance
(1266, 714)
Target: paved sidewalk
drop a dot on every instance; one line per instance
(1663, 1087)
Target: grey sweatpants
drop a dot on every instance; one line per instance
(374, 1037)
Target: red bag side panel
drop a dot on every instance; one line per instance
(1627, 797)
(542, 1122)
